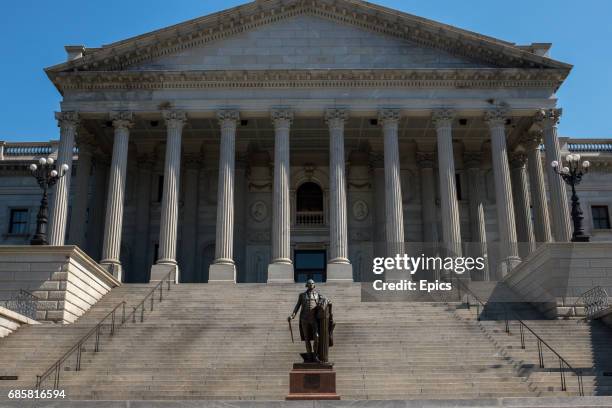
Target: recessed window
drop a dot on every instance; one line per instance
(601, 217)
(18, 221)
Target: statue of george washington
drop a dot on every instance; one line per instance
(316, 323)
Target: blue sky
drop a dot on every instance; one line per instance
(33, 33)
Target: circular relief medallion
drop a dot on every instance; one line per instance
(360, 210)
(259, 211)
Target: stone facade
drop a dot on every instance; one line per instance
(199, 150)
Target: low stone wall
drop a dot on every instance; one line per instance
(555, 275)
(64, 278)
(11, 321)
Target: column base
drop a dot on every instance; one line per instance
(339, 272)
(222, 273)
(159, 272)
(280, 273)
(114, 268)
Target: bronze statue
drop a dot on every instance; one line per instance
(316, 323)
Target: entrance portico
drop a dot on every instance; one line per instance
(233, 121)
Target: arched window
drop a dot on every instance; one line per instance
(309, 204)
(309, 197)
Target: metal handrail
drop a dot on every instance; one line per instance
(78, 347)
(540, 341)
(141, 305)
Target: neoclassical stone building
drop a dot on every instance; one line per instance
(284, 139)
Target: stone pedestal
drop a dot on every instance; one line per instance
(339, 272)
(159, 272)
(312, 381)
(280, 273)
(222, 273)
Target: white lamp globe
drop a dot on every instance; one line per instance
(53, 173)
(555, 164)
(65, 167)
(33, 167)
(566, 170)
(50, 161)
(42, 161)
(586, 164)
(576, 157)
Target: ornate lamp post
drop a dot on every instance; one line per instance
(572, 175)
(46, 176)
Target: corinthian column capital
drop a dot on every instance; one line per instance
(496, 117)
(442, 117)
(228, 117)
(548, 117)
(122, 119)
(335, 117)
(517, 159)
(67, 119)
(530, 140)
(282, 117)
(174, 119)
(388, 116)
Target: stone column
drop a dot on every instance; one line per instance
(168, 224)
(111, 247)
(68, 123)
(394, 211)
(338, 267)
(561, 225)
(538, 189)
(189, 228)
(281, 268)
(224, 268)
(522, 204)
(79, 224)
(496, 119)
(451, 225)
(478, 246)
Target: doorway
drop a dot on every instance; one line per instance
(310, 264)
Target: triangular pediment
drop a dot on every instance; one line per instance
(315, 35)
(307, 42)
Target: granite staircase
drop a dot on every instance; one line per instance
(585, 345)
(232, 342)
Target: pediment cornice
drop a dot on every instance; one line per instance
(405, 78)
(120, 55)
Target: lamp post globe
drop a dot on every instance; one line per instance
(572, 175)
(46, 176)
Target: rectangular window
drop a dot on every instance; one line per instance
(18, 221)
(601, 217)
(458, 185)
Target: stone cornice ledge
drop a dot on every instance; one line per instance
(410, 78)
(70, 251)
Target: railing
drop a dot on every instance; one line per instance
(309, 218)
(595, 300)
(24, 303)
(108, 323)
(563, 364)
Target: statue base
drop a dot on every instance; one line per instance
(312, 381)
